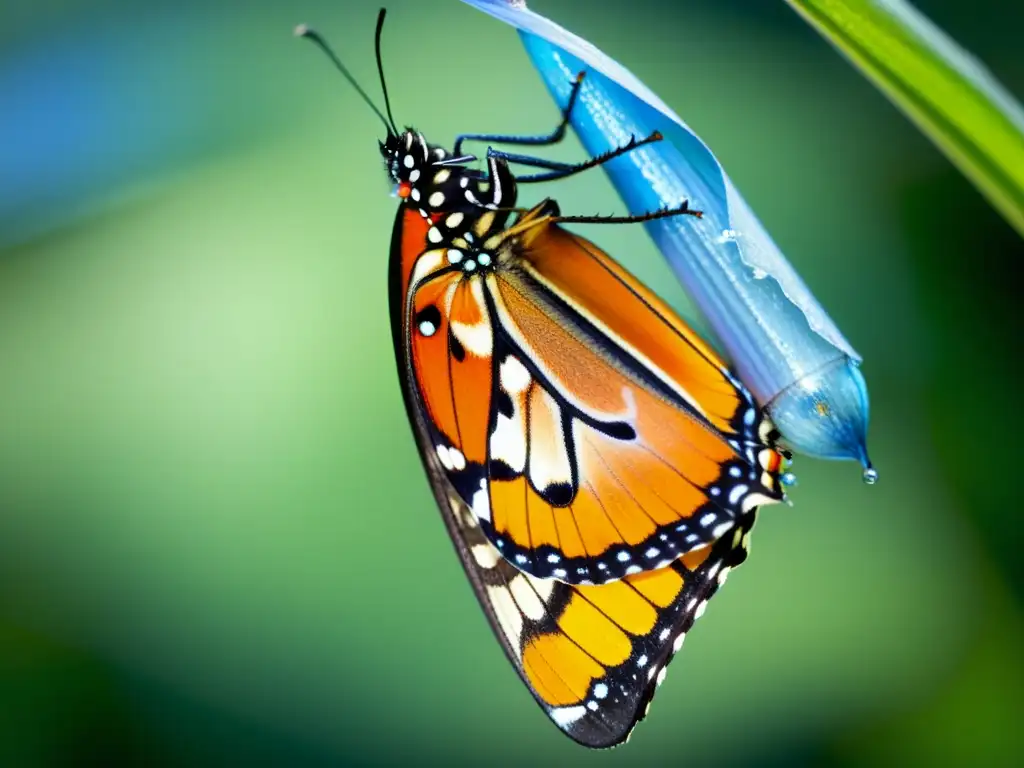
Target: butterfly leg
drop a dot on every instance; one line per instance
(538, 141)
(683, 209)
(557, 170)
(547, 212)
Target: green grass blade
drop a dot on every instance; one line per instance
(941, 87)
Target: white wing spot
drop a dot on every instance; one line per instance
(600, 691)
(457, 459)
(453, 220)
(514, 376)
(566, 716)
(486, 556)
(482, 503)
(507, 612)
(436, 200)
(444, 456)
(454, 256)
(508, 444)
(737, 493)
(434, 235)
(543, 587)
(415, 194)
(720, 530)
(476, 338)
(529, 603)
(408, 162)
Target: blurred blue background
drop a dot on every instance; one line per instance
(217, 546)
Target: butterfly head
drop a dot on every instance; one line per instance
(408, 157)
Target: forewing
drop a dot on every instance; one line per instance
(618, 440)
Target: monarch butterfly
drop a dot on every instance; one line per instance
(596, 464)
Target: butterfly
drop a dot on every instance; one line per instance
(597, 465)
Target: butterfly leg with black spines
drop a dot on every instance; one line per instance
(548, 212)
(558, 170)
(537, 141)
(502, 179)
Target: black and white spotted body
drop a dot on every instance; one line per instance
(468, 209)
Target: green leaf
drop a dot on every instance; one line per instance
(951, 96)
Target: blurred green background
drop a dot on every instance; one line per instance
(217, 546)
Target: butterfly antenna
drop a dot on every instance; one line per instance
(380, 67)
(303, 31)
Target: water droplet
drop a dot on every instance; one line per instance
(870, 476)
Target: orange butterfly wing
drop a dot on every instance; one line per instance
(591, 432)
(592, 656)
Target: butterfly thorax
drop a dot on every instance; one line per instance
(466, 207)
